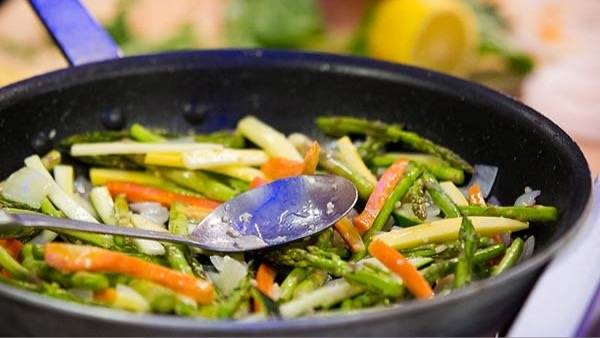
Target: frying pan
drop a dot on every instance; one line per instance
(210, 90)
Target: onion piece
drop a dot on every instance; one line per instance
(527, 199)
(26, 186)
(82, 186)
(231, 273)
(528, 248)
(153, 211)
(485, 176)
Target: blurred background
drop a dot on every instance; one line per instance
(544, 52)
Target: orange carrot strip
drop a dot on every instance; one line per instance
(279, 167)
(257, 182)
(265, 278)
(311, 158)
(106, 296)
(13, 246)
(380, 194)
(475, 195)
(350, 235)
(397, 263)
(71, 258)
(141, 193)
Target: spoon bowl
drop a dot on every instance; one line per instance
(281, 212)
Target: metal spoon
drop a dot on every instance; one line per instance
(274, 214)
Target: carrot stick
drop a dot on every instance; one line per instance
(380, 194)
(257, 182)
(265, 278)
(71, 258)
(311, 158)
(475, 195)
(279, 167)
(350, 235)
(106, 296)
(141, 193)
(397, 263)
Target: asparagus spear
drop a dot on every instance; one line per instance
(199, 182)
(176, 254)
(342, 125)
(161, 299)
(94, 136)
(416, 196)
(226, 138)
(510, 257)
(329, 163)
(89, 280)
(11, 265)
(142, 134)
(411, 175)
(313, 281)
(439, 197)
(363, 276)
(468, 240)
(291, 282)
(362, 301)
(536, 213)
(438, 167)
(110, 161)
(370, 148)
(230, 305)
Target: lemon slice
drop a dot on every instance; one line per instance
(437, 34)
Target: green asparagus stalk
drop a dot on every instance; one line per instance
(438, 167)
(16, 270)
(370, 148)
(176, 254)
(161, 299)
(484, 255)
(89, 280)
(291, 282)
(49, 209)
(94, 136)
(443, 201)
(110, 161)
(536, 213)
(510, 257)
(362, 301)
(230, 305)
(464, 267)
(411, 175)
(142, 134)
(226, 138)
(329, 163)
(343, 125)
(199, 182)
(313, 281)
(363, 276)
(416, 196)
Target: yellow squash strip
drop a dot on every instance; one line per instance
(243, 173)
(101, 176)
(165, 159)
(348, 154)
(447, 230)
(455, 195)
(121, 148)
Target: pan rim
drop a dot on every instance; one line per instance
(305, 60)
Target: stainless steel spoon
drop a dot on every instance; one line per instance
(277, 213)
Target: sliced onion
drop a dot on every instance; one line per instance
(82, 185)
(528, 248)
(528, 198)
(493, 200)
(153, 211)
(432, 211)
(26, 186)
(485, 176)
(231, 273)
(505, 237)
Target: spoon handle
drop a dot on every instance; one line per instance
(10, 222)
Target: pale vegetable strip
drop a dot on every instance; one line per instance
(210, 158)
(269, 139)
(64, 177)
(243, 173)
(454, 193)
(124, 148)
(348, 155)
(104, 205)
(447, 230)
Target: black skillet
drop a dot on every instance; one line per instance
(210, 90)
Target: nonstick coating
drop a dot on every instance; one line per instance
(288, 90)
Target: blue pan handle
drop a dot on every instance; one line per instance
(80, 38)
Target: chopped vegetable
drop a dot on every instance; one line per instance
(123, 148)
(347, 154)
(71, 258)
(265, 278)
(475, 196)
(394, 261)
(311, 158)
(64, 177)
(269, 139)
(141, 193)
(349, 233)
(279, 167)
